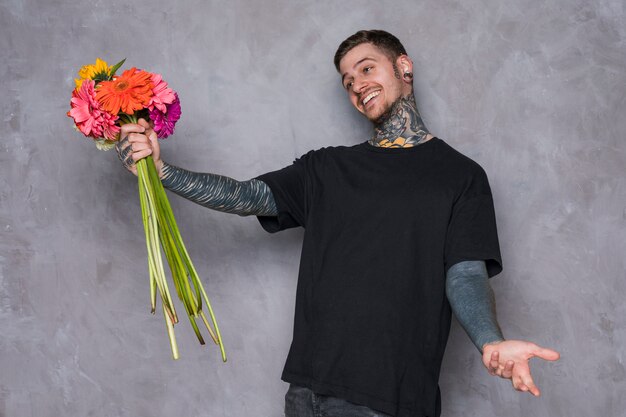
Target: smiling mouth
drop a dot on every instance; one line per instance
(370, 96)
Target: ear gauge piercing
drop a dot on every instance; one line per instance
(408, 76)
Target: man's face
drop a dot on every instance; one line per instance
(368, 76)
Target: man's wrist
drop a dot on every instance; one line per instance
(492, 343)
(163, 168)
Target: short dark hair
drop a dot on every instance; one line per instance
(385, 41)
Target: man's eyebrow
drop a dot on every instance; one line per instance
(360, 61)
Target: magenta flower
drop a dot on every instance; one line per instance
(164, 122)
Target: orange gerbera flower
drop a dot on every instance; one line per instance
(129, 92)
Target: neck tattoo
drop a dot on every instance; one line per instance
(401, 126)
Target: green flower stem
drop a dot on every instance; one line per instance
(170, 229)
(162, 228)
(144, 216)
(154, 275)
(154, 253)
(170, 333)
(161, 231)
(178, 271)
(171, 225)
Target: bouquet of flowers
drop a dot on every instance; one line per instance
(100, 104)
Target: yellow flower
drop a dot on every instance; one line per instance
(98, 71)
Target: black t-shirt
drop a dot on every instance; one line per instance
(382, 226)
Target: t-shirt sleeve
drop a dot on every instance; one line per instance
(289, 187)
(472, 233)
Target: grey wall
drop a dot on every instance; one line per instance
(534, 91)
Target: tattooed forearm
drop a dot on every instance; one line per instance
(217, 192)
(472, 301)
(402, 126)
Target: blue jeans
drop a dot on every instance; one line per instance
(302, 402)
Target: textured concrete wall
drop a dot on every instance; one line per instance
(534, 91)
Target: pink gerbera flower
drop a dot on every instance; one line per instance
(162, 94)
(164, 121)
(89, 116)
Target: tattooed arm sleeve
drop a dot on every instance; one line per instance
(472, 301)
(217, 192)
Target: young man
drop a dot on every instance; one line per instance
(399, 231)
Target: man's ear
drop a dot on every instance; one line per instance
(405, 66)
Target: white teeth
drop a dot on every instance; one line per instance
(370, 96)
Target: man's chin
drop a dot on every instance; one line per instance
(383, 114)
(381, 118)
(374, 116)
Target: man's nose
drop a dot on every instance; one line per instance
(358, 85)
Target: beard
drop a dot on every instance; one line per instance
(387, 113)
(391, 109)
(393, 122)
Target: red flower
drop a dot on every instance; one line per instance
(129, 92)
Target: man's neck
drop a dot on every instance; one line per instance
(401, 126)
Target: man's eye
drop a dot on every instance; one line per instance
(367, 69)
(349, 84)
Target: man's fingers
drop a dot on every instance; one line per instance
(495, 359)
(511, 361)
(139, 146)
(124, 151)
(547, 354)
(123, 142)
(142, 122)
(123, 148)
(521, 387)
(156, 148)
(534, 390)
(139, 150)
(494, 364)
(133, 144)
(141, 154)
(507, 372)
(517, 383)
(524, 381)
(133, 147)
(129, 128)
(529, 384)
(530, 387)
(137, 137)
